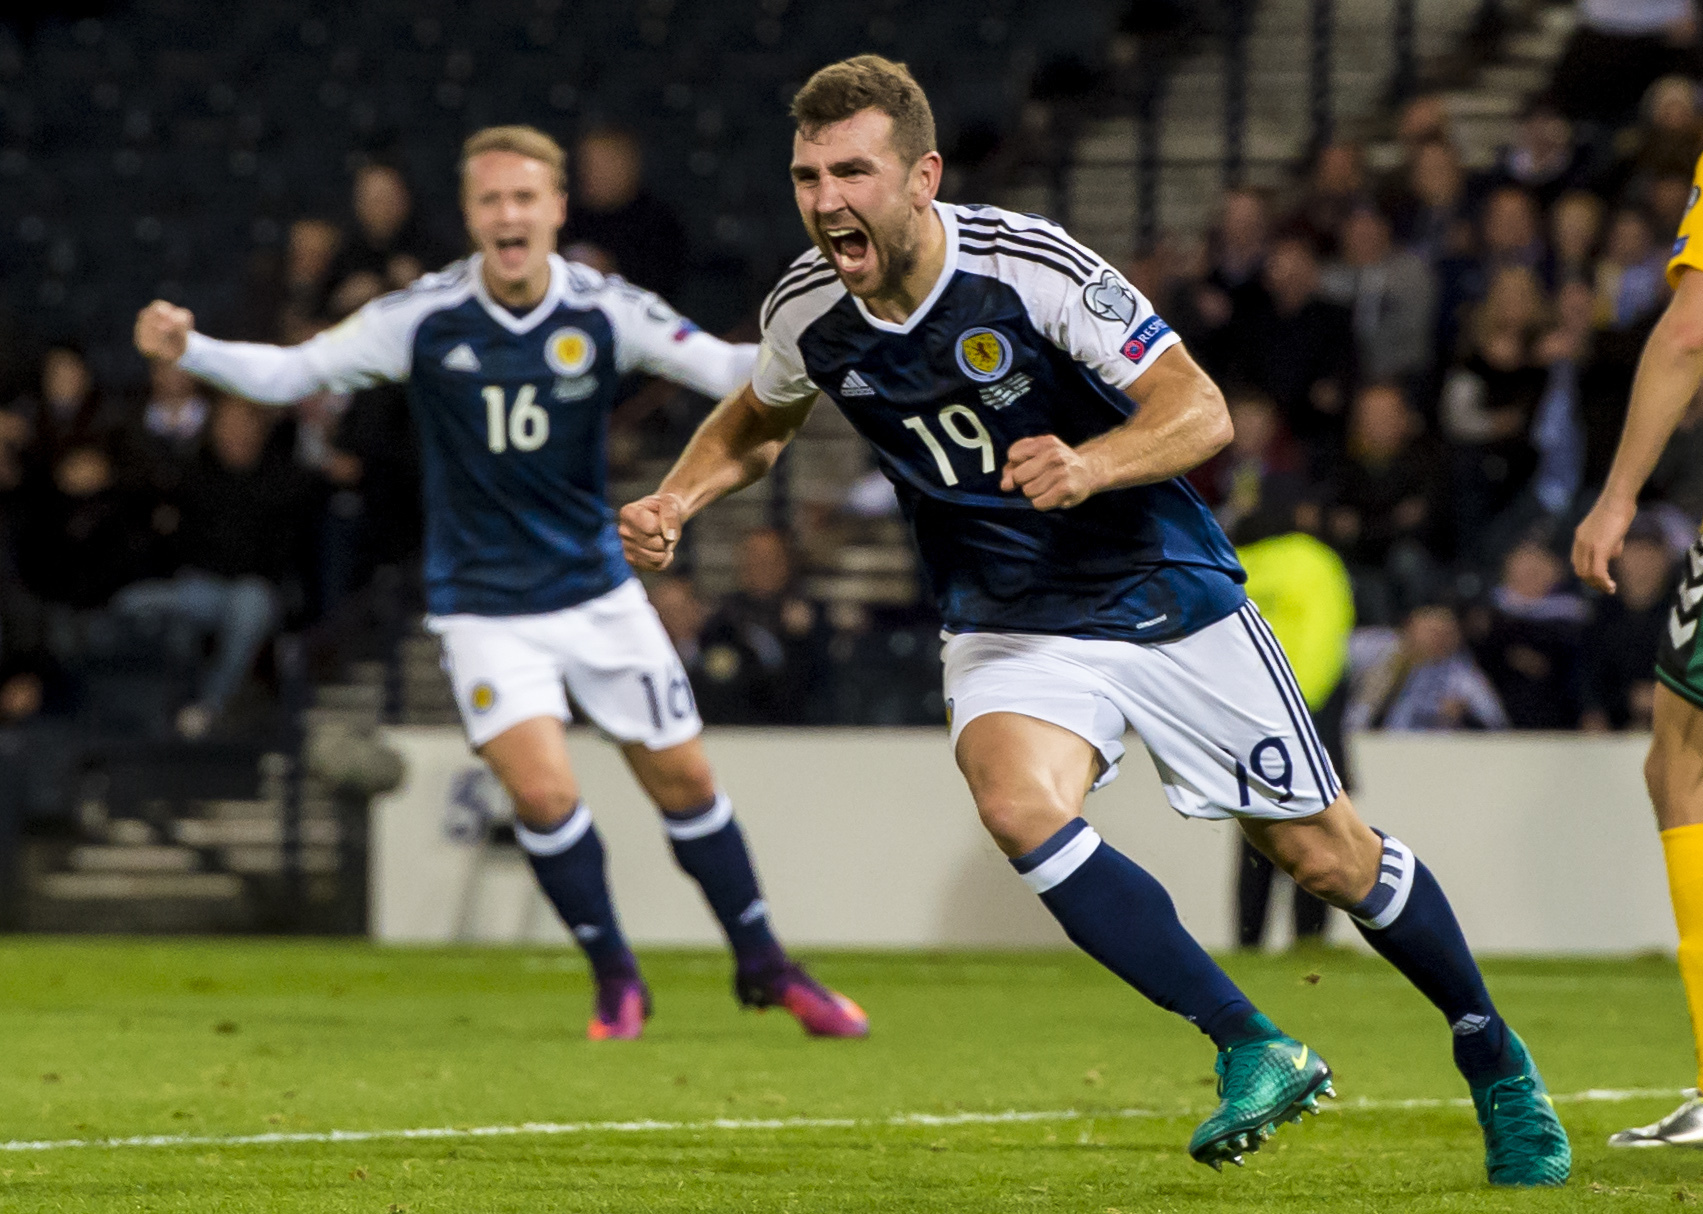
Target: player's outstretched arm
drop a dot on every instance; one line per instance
(355, 354)
(1182, 421)
(1669, 372)
(735, 446)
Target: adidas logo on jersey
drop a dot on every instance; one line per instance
(853, 385)
(461, 358)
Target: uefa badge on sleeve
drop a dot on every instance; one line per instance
(1108, 298)
(1136, 347)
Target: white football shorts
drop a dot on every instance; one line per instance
(611, 653)
(1219, 710)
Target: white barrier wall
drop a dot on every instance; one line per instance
(867, 837)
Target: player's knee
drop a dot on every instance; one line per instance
(1332, 875)
(1020, 822)
(542, 801)
(677, 792)
(677, 779)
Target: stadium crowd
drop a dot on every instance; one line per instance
(1427, 368)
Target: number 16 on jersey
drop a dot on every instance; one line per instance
(526, 427)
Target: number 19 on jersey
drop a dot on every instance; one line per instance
(964, 428)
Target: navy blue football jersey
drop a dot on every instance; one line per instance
(1026, 333)
(512, 414)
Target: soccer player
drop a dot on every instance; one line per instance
(512, 358)
(1670, 371)
(1034, 416)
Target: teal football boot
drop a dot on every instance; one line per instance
(1524, 1144)
(1260, 1086)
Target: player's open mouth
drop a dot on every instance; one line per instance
(511, 250)
(850, 248)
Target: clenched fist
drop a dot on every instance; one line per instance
(650, 530)
(1051, 473)
(163, 329)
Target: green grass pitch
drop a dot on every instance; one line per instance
(221, 1039)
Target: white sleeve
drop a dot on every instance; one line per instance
(780, 378)
(371, 347)
(1106, 324)
(651, 336)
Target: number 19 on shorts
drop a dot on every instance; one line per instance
(525, 427)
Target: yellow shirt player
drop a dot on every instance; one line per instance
(1670, 371)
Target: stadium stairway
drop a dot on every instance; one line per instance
(192, 838)
(1103, 183)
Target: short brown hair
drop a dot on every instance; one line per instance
(526, 141)
(868, 82)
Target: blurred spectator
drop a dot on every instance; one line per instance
(1529, 639)
(1605, 374)
(1420, 678)
(1236, 252)
(1558, 430)
(84, 535)
(765, 649)
(683, 615)
(66, 413)
(1260, 466)
(1423, 119)
(1509, 235)
(236, 542)
(371, 462)
(610, 210)
(1384, 506)
(1173, 275)
(1296, 346)
(1618, 48)
(1489, 399)
(1335, 185)
(386, 251)
(1431, 212)
(1668, 140)
(1678, 478)
(1630, 282)
(1542, 160)
(165, 437)
(1621, 643)
(1510, 231)
(1575, 229)
(1391, 294)
(15, 433)
(1238, 243)
(308, 257)
(1666, 200)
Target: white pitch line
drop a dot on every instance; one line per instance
(547, 1128)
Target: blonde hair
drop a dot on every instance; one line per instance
(526, 141)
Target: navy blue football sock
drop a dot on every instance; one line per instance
(1115, 911)
(568, 862)
(1408, 920)
(710, 847)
